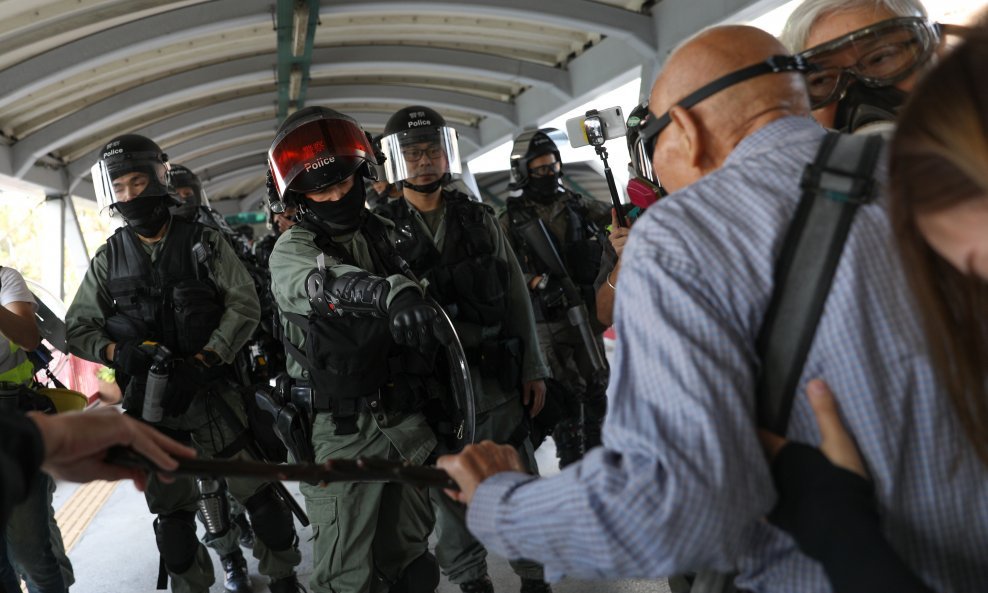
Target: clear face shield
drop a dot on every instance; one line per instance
(122, 180)
(877, 56)
(421, 156)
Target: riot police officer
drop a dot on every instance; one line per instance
(360, 347)
(457, 245)
(575, 225)
(194, 207)
(171, 293)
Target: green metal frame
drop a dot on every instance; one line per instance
(286, 61)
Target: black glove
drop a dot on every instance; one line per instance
(133, 357)
(412, 317)
(186, 379)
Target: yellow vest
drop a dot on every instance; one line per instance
(21, 373)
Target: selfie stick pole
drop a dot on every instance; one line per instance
(615, 200)
(594, 130)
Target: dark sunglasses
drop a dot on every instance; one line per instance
(774, 65)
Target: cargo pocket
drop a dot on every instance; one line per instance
(324, 518)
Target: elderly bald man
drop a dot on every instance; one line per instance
(681, 482)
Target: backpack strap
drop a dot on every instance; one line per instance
(839, 180)
(834, 186)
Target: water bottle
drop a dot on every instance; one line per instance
(154, 393)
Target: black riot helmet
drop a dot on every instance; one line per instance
(180, 176)
(137, 164)
(188, 190)
(418, 144)
(529, 145)
(314, 148)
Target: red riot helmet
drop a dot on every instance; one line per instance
(317, 147)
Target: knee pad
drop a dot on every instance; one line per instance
(175, 534)
(421, 576)
(272, 519)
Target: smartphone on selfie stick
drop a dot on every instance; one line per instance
(593, 129)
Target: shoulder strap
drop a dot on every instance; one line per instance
(838, 181)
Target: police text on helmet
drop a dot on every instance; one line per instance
(319, 162)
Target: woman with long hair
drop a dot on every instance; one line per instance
(939, 214)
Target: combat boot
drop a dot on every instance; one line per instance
(535, 586)
(235, 577)
(481, 585)
(246, 533)
(287, 584)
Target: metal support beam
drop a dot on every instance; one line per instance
(631, 28)
(53, 268)
(127, 39)
(390, 94)
(296, 27)
(133, 103)
(603, 66)
(329, 60)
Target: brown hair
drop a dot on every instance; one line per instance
(939, 159)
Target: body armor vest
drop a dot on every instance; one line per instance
(173, 300)
(467, 279)
(580, 249)
(353, 358)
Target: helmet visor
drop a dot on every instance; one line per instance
(122, 180)
(317, 152)
(421, 156)
(880, 55)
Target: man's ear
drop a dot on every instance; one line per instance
(691, 139)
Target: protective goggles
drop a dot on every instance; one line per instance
(877, 56)
(653, 126)
(420, 152)
(317, 152)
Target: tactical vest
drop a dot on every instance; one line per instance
(580, 251)
(581, 247)
(173, 300)
(467, 279)
(353, 359)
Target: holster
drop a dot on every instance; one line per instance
(292, 421)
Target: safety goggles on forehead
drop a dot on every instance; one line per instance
(774, 65)
(877, 56)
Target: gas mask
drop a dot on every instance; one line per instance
(863, 105)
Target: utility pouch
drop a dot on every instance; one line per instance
(197, 314)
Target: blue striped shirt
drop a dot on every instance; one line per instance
(681, 482)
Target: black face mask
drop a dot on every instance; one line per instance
(145, 214)
(342, 216)
(543, 189)
(188, 210)
(862, 105)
